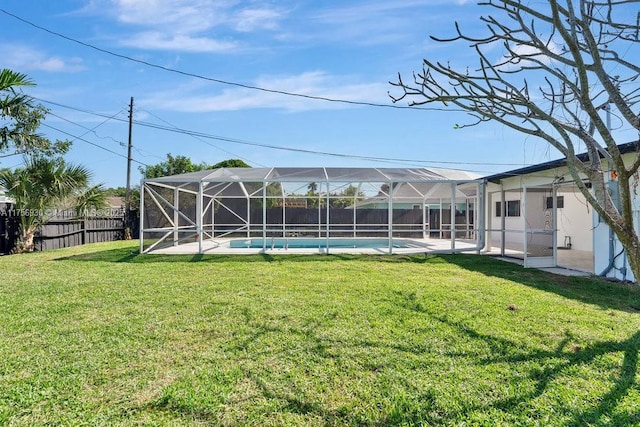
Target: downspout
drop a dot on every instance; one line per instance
(615, 195)
(612, 258)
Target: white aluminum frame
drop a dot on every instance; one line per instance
(422, 184)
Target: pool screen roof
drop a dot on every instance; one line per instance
(335, 174)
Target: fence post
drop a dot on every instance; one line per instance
(4, 232)
(84, 228)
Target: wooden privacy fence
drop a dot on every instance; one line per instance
(66, 229)
(369, 222)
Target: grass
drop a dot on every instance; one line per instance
(98, 335)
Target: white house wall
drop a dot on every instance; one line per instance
(574, 220)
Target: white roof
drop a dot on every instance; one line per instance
(313, 174)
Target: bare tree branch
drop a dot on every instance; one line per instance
(563, 68)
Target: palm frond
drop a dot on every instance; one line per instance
(9, 79)
(93, 197)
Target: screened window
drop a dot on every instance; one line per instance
(513, 208)
(559, 202)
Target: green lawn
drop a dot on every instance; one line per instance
(99, 335)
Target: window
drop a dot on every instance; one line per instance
(559, 202)
(513, 208)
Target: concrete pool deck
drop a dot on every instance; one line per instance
(413, 246)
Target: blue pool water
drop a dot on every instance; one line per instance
(317, 243)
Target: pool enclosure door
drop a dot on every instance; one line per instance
(540, 248)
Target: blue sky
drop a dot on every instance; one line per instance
(338, 50)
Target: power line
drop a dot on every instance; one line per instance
(141, 152)
(220, 81)
(92, 130)
(423, 163)
(205, 141)
(316, 152)
(91, 143)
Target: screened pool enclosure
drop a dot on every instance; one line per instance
(312, 210)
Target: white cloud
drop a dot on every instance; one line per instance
(172, 15)
(366, 23)
(192, 99)
(347, 12)
(260, 18)
(187, 25)
(177, 42)
(23, 58)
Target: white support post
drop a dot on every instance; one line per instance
(327, 218)
(523, 213)
(479, 212)
(488, 226)
(176, 217)
(319, 216)
(284, 214)
(554, 218)
(503, 221)
(466, 219)
(390, 218)
(424, 219)
(264, 216)
(248, 217)
(213, 217)
(199, 233)
(354, 215)
(355, 210)
(142, 190)
(453, 216)
(441, 218)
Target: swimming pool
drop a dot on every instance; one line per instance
(316, 243)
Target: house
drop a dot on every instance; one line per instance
(115, 202)
(538, 214)
(6, 202)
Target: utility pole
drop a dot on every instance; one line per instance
(128, 189)
(127, 195)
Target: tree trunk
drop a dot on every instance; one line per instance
(27, 244)
(631, 245)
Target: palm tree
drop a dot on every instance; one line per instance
(42, 186)
(20, 119)
(13, 106)
(11, 98)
